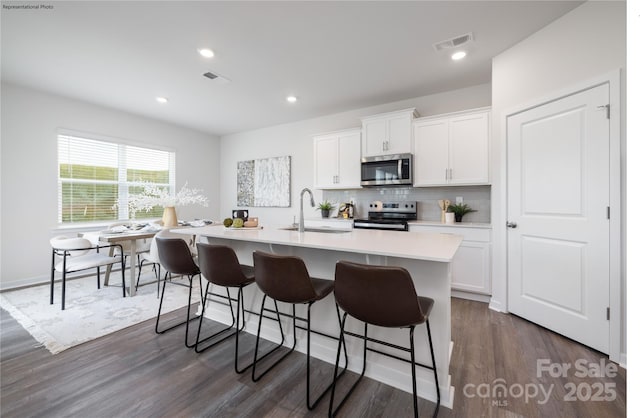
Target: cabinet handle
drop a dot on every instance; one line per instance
(446, 174)
(451, 174)
(337, 179)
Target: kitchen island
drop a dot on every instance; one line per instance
(427, 256)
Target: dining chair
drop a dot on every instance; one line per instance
(80, 254)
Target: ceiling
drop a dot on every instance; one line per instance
(334, 56)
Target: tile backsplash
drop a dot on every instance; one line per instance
(478, 197)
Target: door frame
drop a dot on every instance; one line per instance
(499, 298)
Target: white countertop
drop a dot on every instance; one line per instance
(417, 245)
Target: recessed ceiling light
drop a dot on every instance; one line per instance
(458, 55)
(292, 99)
(162, 100)
(206, 52)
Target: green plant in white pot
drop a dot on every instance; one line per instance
(325, 208)
(459, 210)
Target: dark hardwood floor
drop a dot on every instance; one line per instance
(136, 373)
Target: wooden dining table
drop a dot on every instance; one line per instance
(132, 237)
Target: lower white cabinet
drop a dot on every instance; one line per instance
(471, 266)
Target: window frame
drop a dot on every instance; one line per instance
(122, 183)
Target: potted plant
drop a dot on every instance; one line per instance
(459, 210)
(325, 208)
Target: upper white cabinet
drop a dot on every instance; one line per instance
(387, 133)
(452, 149)
(336, 157)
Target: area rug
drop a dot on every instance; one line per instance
(89, 312)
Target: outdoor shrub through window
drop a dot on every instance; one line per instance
(93, 175)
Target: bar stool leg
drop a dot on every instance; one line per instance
(255, 354)
(238, 329)
(233, 323)
(310, 405)
(435, 370)
(413, 372)
(189, 319)
(332, 412)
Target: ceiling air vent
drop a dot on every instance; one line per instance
(453, 42)
(216, 77)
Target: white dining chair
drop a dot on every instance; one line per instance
(79, 254)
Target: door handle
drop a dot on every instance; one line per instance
(512, 224)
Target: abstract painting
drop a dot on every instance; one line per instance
(265, 182)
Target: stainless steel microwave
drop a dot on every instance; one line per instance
(387, 170)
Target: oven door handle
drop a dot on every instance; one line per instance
(397, 227)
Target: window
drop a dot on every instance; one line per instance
(94, 175)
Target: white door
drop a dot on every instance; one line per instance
(558, 198)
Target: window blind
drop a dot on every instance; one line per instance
(96, 177)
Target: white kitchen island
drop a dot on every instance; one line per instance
(427, 256)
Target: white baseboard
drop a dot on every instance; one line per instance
(385, 370)
(470, 296)
(497, 306)
(623, 360)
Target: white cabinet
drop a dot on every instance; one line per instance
(471, 266)
(387, 133)
(336, 157)
(452, 149)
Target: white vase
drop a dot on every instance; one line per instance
(169, 217)
(450, 217)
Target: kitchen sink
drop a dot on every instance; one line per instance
(323, 230)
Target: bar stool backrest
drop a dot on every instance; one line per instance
(283, 278)
(219, 265)
(379, 295)
(175, 256)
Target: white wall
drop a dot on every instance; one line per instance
(586, 43)
(295, 139)
(30, 120)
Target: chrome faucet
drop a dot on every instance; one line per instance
(313, 203)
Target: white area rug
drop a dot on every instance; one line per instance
(89, 313)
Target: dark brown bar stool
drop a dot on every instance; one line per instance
(382, 296)
(219, 265)
(286, 279)
(176, 258)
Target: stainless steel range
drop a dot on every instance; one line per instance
(388, 216)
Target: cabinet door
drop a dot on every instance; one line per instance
(349, 160)
(374, 135)
(470, 269)
(469, 149)
(430, 160)
(399, 135)
(325, 159)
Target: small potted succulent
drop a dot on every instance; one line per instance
(325, 208)
(459, 210)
